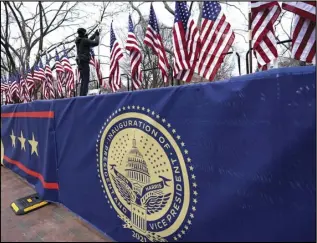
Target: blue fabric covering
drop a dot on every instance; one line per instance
(226, 161)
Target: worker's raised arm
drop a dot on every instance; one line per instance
(94, 39)
(93, 43)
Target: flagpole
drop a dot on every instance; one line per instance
(201, 5)
(250, 37)
(99, 52)
(99, 42)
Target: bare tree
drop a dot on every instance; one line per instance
(31, 31)
(25, 33)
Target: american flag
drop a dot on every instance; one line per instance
(15, 86)
(135, 57)
(92, 59)
(42, 73)
(95, 62)
(9, 87)
(59, 75)
(20, 93)
(303, 30)
(30, 83)
(42, 69)
(263, 17)
(8, 93)
(39, 74)
(153, 39)
(48, 88)
(185, 42)
(25, 89)
(115, 55)
(216, 38)
(69, 78)
(5, 87)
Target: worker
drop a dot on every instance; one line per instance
(83, 45)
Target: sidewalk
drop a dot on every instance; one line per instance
(50, 223)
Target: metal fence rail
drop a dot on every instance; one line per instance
(172, 81)
(248, 62)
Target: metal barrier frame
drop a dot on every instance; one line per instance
(130, 86)
(248, 54)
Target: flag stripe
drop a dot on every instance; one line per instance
(303, 30)
(263, 17)
(215, 40)
(154, 41)
(135, 57)
(116, 54)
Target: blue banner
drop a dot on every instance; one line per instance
(28, 138)
(225, 161)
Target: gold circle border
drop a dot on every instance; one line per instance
(187, 193)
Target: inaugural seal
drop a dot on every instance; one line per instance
(144, 172)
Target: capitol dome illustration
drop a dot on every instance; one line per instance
(143, 197)
(136, 169)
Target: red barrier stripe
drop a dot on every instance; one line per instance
(46, 185)
(29, 114)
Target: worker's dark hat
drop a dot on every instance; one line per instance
(81, 31)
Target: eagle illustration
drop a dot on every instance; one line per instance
(153, 200)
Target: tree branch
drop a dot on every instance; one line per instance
(231, 5)
(41, 28)
(52, 21)
(139, 12)
(237, 33)
(168, 8)
(5, 43)
(19, 25)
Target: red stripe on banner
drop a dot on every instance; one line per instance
(46, 185)
(30, 114)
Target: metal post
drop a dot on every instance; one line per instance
(250, 38)
(99, 30)
(98, 84)
(239, 64)
(75, 91)
(248, 54)
(128, 82)
(132, 87)
(247, 61)
(172, 78)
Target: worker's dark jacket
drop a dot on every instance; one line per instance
(83, 46)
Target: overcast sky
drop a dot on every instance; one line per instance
(90, 15)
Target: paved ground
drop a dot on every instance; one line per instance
(50, 223)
